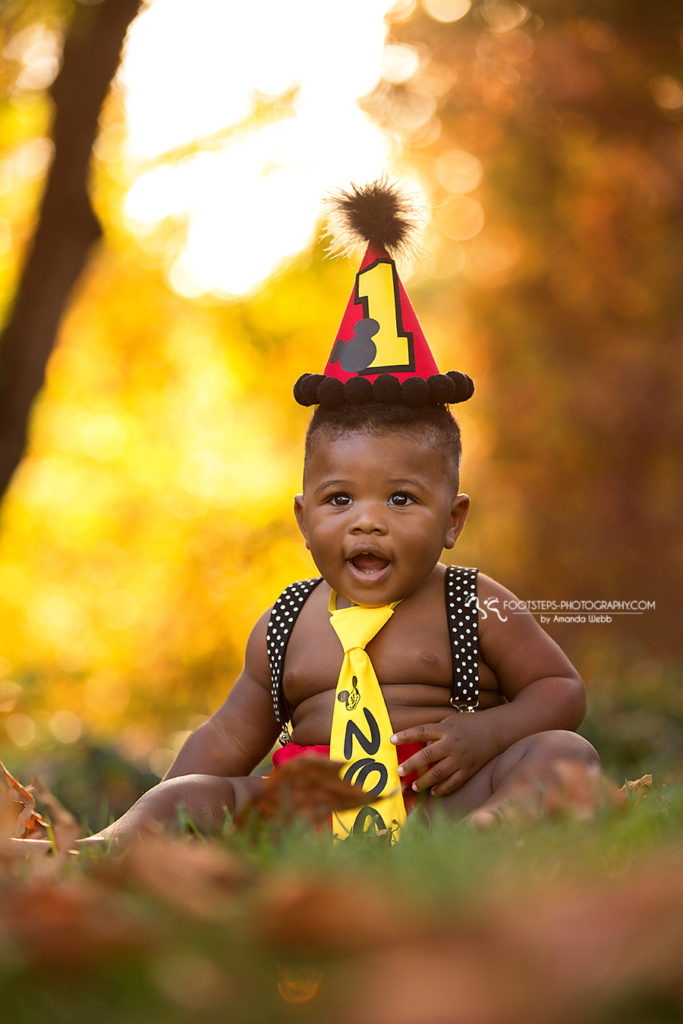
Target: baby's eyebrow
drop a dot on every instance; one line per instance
(327, 484)
(406, 482)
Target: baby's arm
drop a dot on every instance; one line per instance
(542, 687)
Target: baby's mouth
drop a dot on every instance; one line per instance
(369, 563)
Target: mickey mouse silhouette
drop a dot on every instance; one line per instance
(350, 698)
(359, 351)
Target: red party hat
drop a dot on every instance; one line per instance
(380, 352)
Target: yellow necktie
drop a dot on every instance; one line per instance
(361, 728)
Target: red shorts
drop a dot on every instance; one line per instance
(403, 750)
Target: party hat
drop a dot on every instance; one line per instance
(380, 353)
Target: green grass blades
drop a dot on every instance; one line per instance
(555, 920)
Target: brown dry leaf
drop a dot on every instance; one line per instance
(442, 980)
(307, 915)
(194, 983)
(19, 805)
(307, 789)
(199, 879)
(582, 792)
(584, 939)
(65, 828)
(549, 953)
(636, 789)
(69, 924)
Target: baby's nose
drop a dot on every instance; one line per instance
(370, 518)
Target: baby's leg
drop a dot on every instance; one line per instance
(518, 776)
(204, 800)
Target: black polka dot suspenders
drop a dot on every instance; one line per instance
(280, 626)
(461, 612)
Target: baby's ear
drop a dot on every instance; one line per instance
(299, 514)
(459, 510)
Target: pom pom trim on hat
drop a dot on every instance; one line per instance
(439, 389)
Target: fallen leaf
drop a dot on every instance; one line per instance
(26, 823)
(636, 789)
(305, 915)
(580, 792)
(69, 924)
(199, 879)
(193, 982)
(307, 788)
(556, 953)
(65, 828)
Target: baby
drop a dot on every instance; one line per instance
(380, 501)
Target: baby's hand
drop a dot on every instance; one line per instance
(455, 748)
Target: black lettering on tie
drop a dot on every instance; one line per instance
(370, 744)
(367, 819)
(364, 767)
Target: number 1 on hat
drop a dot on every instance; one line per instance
(378, 285)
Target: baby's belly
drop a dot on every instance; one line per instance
(408, 706)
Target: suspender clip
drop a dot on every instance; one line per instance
(464, 709)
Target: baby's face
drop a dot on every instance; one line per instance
(376, 512)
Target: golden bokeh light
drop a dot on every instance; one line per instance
(504, 15)
(447, 10)
(66, 726)
(667, 92)
(245, 194)
(10, 692)
(21, 729)
(461, 218)
(37, 47)
(458, 170)
(399, 63)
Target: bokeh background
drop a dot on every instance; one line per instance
(163, 282)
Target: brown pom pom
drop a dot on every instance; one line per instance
(330, 392)
(386, 388)
(441, 388)
(358, 390)
(306, 388)
(464, 385)
(415, 391)
(380, 214)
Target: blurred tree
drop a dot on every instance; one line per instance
(150, 521)
(550, 137)
(67, 227)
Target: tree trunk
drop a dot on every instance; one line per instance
(67, 227)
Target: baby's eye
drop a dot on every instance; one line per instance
(340, 500)
(400, 499)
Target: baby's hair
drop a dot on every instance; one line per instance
(434, 422)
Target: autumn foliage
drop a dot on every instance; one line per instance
(546, 921)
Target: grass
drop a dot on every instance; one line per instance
(449, 925)
(549, 921)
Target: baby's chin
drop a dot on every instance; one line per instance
(365, 596)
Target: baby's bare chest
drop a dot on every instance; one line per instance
(405, 652)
